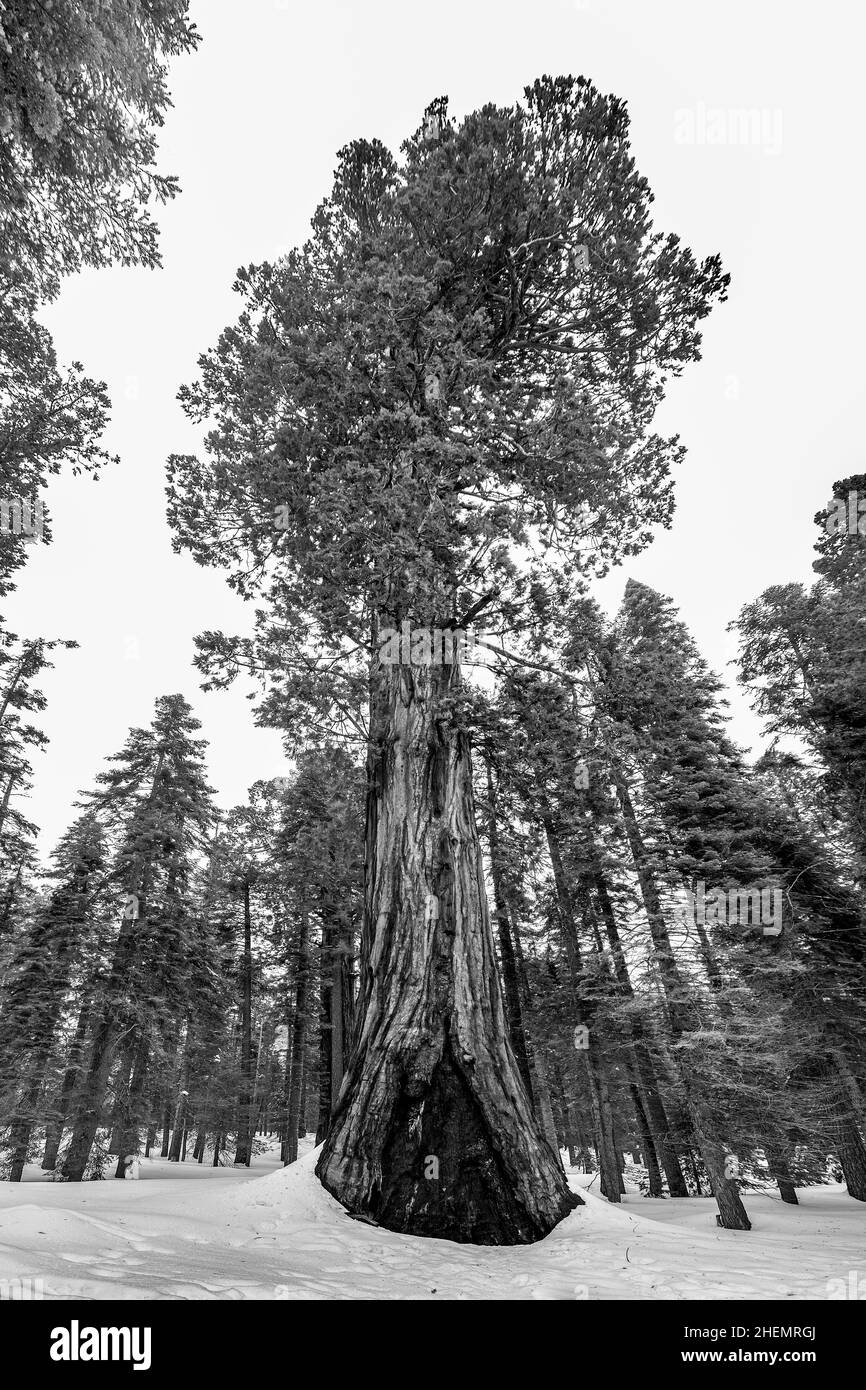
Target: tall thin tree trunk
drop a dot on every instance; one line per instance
(55, 1122)
(725, 1189)
(130, 1132)
(326, 1025)
(778, 1164)
(299, 1042)
(655, 1110)
(180, 1110)
(590, 1061)
(243, 1149)
(654, 1174)
(513, 1010)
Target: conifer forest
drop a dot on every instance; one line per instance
(464, 895)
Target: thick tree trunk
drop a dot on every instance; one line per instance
(433, 1132)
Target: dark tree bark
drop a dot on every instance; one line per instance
(434, 1132)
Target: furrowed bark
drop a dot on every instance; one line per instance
(433, 1132)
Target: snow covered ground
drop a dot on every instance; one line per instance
(190, 1232)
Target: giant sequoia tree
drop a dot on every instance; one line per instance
(455, 377)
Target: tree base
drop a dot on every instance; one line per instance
(443, 1174)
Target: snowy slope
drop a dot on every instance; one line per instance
(190, 1232)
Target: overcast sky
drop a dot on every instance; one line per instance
(771, 416)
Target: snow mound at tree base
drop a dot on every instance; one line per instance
(274, 1233)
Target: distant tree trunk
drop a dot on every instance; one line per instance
(120, 1112)
(326, 1025)
(20, 1131)
(654, 1174)
(90, 1096)
(696, 1174)
(287, 1086)
(655, 1110)
(852, 1157)
(54, 1124)
(166, 1128)
(180, 1110)
(534, 1052)
(130, 1138)
(562, 1110)
(171, 1051)
(590, 1061)
(243, 1148)
(299, 1042)
(433, 1133)
(725, 1190)
(511, 986)
(335, 1010)
(778, 1165)
(4, 804)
